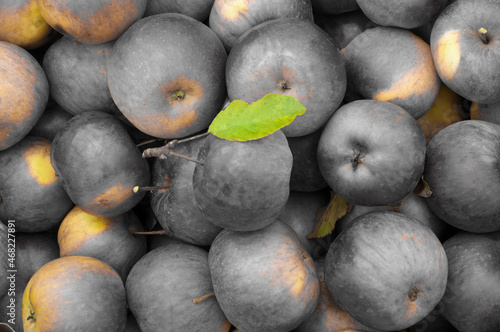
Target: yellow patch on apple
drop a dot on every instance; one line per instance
(447, 57)
(234, 9)
(37, 158)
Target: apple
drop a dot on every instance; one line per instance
(229, 19)
(175, 205)
(26, 87)
(301, 213)
(74, 293)
(99, 164)
(387, 270)
(472, 297)
(52, 120)
(305, 64)
(372, 152)
(162, 286)
(306, 175)
(22, 24)
(264, 280)
(30, 191)
(408, 14)
(485, 112)
(461, 168)
(109, 239)
(394, 65)
(199, 9)
(465, 49)
(342, 28)
(77, 75)
(242, 186)
(447, 109)
(166, 75)
(92, 21)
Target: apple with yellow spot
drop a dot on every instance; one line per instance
(230, 19)
(22, 24)
(109, 239)
(387, 270)
(166, 75)
(394, 65)
(24, 93)
(91, 21)
(74, 293)
(30, 192)
(264, 280)
(99, 164)
(465, 48)
(446, 110)
(485, 112)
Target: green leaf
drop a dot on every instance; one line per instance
(423, 189)
(336, 209)
(241, 121)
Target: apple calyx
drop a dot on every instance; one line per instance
(413, 294)
(358, 158)
(483, 35)
(283, 85)
(178, 95)
(31, 316)
(197, 300)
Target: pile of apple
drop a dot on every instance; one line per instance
(154, 176)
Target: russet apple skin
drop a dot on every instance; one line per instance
(75, 293)
(472, 294)
(99, 164)
(394, 65)
(461, 168)
(388, 271)
(175, 208)
(77, 75)
(466, 63)
(161, 288)
(291, 57)
(372, 152)
(166, 75)
(408, 14)
(22, 24)
(230, 19)
(91, 22)
(31, 193)
(27, 89)
(264, 280)
(243, 186)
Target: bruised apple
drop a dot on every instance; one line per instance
(30, 192)
(99, 164)
(74, 293)
(394, 65)
(91, 21)
(22, 24)
(264, 280)
(166, 75)
(23, 95)
(388, 271)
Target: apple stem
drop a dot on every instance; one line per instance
(147, 188)
(197, 300)
(483, 36)
(149, 141)
(166, 150)
(161, 232)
